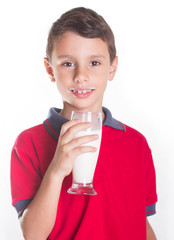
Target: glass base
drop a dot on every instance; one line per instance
(82, 189)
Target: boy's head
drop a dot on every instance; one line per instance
(84, 22)
(81, 59)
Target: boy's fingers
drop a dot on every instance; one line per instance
(67, 125)
(68, 133)
(84, 149)
(83, 140)
(80, 141)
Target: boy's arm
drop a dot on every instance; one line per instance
(38, 219)
(150, 232)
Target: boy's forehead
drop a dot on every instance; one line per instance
(71, 42)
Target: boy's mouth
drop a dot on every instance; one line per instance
(82, 93)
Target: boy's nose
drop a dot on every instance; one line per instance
(80, 75)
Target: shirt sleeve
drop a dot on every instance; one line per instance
(150, 183)
(25, 173)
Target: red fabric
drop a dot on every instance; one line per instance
(124, 180)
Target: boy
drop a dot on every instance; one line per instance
(81, 58)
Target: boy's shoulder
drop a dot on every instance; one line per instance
(30, 135)
(132, 132)
(135, 136)
(121, 128)
(34, 130)
(129, 138)
(127, 129)
(128, 141)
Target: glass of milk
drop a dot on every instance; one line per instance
(85, 163)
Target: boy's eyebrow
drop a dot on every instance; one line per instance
(90, 56)
(98, 56)
(64, 56)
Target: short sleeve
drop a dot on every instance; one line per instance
(25, 173)
(150, 183)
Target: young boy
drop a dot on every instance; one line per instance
(81, 58)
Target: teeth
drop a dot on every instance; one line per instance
(81, 91)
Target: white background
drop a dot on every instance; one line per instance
(141, 94)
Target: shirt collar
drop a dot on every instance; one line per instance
(54, 122)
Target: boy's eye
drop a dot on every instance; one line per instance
(94, 63)
(68, 64)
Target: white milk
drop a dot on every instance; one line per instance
(85, 163)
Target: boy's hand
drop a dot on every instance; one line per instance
(69, 148)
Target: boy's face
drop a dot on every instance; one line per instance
(81, 68)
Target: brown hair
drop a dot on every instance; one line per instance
(84, 22)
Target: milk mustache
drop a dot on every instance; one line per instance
(85, 163)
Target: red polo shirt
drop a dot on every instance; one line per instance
(124, 180)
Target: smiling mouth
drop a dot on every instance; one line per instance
(82, 93)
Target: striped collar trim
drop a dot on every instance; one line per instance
(54, 122)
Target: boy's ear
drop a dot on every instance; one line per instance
(113, 68)
(49, 69)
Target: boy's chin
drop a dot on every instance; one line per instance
(86, 108)
(82, 106)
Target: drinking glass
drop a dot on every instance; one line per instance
(85, 163)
